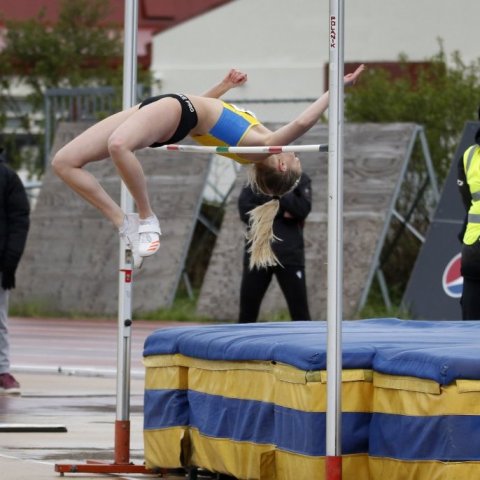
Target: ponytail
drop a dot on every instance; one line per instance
(270, 181)
(260, 235)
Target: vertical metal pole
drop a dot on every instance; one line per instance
(335, 242)
(48, 128)
(122, 423)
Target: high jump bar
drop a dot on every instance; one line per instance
(270, 149)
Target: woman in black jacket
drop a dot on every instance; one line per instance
(288, 249)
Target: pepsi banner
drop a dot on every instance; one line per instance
(435, 285)
(452, 281)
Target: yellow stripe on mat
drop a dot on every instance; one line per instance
(267, 382)
(417, 397)
(391, 469)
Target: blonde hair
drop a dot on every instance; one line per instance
(260, 235)
(269, 181)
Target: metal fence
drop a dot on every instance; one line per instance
(75, 104)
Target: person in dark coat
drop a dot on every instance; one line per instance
(288, 248)
(14, 225)
(468, 181)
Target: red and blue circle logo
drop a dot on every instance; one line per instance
(452, 280)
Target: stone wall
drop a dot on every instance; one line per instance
(71, 259)
(72, 255)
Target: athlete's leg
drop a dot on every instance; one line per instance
(292, 282)
(155, 122)
(90, 146)
(117, 136)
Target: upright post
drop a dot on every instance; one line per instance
(121, 462)
(335, 242)
(122, 422)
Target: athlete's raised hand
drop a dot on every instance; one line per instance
(351, 78)
(235, 78)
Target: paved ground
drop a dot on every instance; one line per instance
(67, 373)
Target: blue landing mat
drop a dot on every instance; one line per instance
(442, 351)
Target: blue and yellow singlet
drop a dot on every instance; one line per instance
(229, 130)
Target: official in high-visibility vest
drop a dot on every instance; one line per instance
(469, 185)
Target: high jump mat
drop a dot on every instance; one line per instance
(249, 400)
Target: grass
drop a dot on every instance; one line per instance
(278, 316)
(44, 309)
(182, 310)
(380, 311)
(376, 308)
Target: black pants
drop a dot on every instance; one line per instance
(470, 300)
(255, 283)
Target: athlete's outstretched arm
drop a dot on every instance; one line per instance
(310, 116)
(234, 78)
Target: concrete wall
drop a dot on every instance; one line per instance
(71, 259)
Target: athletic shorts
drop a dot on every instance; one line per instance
(188, 119)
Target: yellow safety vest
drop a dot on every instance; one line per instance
(471, 165)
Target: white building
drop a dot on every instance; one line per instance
(283, 44)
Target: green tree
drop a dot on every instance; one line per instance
(80, 49)
(441, 97)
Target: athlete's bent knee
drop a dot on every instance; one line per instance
(60, 163)
(116, 144)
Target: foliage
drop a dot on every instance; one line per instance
(441, 97)
(77, 50)
(80, 49)
(376, 308)
(182, 310)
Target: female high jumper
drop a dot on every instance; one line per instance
(167, 119)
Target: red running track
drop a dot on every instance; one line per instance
(75, 345)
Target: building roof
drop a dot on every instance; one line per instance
(153, 15)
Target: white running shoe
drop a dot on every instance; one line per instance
(149, 236)
(129, 233)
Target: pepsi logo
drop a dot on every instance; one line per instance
(452, 280)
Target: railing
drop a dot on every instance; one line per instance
(74, 104)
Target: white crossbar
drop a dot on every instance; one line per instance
(280, 149)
